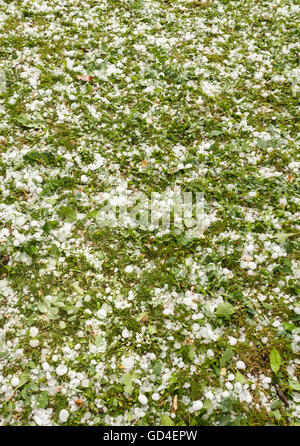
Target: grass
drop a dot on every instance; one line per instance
(196, 96)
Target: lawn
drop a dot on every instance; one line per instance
(106, 321)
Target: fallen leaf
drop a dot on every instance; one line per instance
(174, 405)
(84, 78)
(281, 396)
(5, 259)
(79, 402)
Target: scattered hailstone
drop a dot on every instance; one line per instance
(15, 381)
(84, 179)
(61, 370)
(143, 399)
(128, 363)
(240, 365)
(197, 405)
(125, 333)
(101, 314)
(63, 415)
(129, 269)
(33, 332)
(210, 353)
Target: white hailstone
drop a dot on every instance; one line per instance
(276, 324)
(33, 332)
(125, 333)
(15, 381)
(210, 353)
(297, 310)
(252, 265)
(63, 415)
(128, 269)
(84, 179)
(230, 187)
(232, 340)
(128, 363)
(61, 370)
(240, 365)
(238, 387)
(101, 314)
(143, 399)
(197, 405)
(155, 396)
(34, 343)
(62, 325)
(45, 366)
(231, 377)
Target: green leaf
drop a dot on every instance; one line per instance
(26, 121)
(225, 310)
(191, 352)
(239, 377)
(68, 213)
(294, 385)
(152, 330)
(43, 400)
(99, 340)
(166, 420)
(42, 307)
(77, 288)
(158, 366)
(127, 381)
(282, 236)
(207, 404)
(93, 214)
(275, 360)
(277, 414)
(216, 133)
(22, 380)
(226, 357)
(288, 326)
